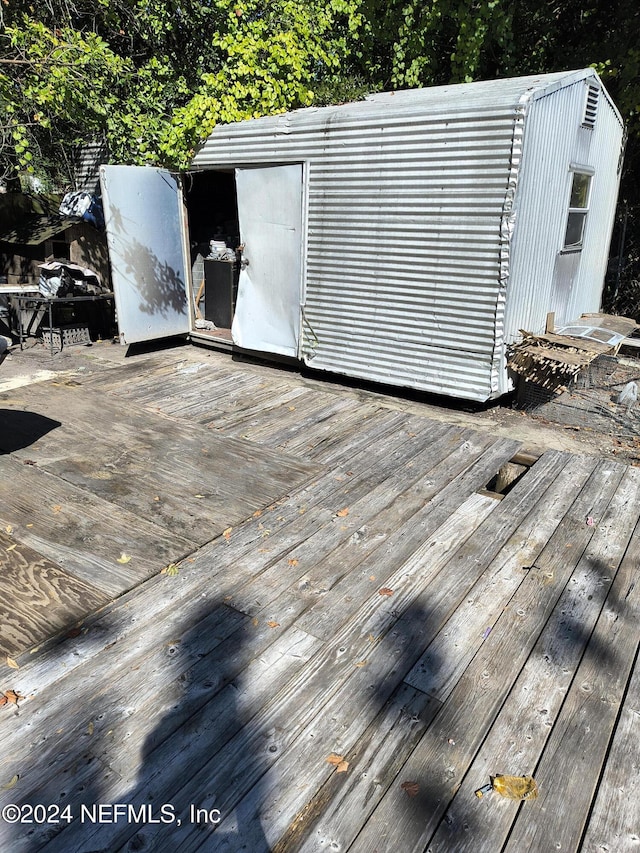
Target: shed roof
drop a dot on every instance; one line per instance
(477, 97)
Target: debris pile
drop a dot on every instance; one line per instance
(552, 361)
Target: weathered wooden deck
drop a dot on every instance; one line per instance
(345, 590)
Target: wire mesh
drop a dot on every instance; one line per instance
(591, 402)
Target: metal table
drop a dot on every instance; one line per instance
(44, 300)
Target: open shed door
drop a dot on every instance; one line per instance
(144, 220)
(267, 315)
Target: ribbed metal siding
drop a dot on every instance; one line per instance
(554, 124)
(403, 254)
(86, 166)
(408, 228)
(605, 152)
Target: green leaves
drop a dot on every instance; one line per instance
(154, 77)
(44, 90)
(270, 56)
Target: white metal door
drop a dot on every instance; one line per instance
(144, 221)
(267, 315)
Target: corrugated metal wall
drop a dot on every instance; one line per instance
(409, 223)
(86, 166)
(605, 149)
(554, 140)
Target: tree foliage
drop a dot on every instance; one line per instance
(272, 54)
(153, 77)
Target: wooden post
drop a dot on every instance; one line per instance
(550, 323)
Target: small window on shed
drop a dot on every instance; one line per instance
(578, 209)
(591, 106)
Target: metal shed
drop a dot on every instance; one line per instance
(403, 239)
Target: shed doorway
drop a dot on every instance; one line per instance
(251, 291)
(212, 206)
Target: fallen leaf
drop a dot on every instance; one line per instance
(342, 513)
(8, 529)
(255, 621)
(293, 562)
(124, 558)
(11, 547)
(335, 759)
(227, 533)
(12, 697)
(342, 767)
(361, 663)
(292, 408)
(172, 570)
(410, 788)
(385, 591)
(3, 700)
(156, 498)
(372, 577)
(90, 728)
(273, 624)
(29, 525)
(12, 663)
(56, 508)
(11, 784)
(257, 513)
(198, 496)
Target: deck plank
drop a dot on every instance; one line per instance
(440, 668)
(184, 748)
(333, 816)
(379, 646)
(452, 481)
(582, 731)
(518, 737)
(615, 820)
(477, 698)
(341, 541)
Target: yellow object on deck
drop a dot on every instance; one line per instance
(515, 787)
